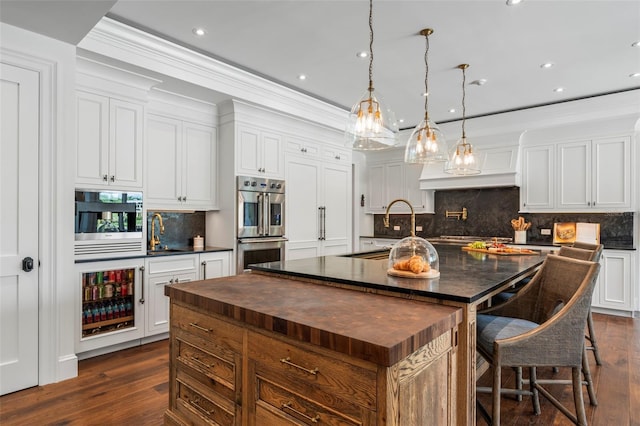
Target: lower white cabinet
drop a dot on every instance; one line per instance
(161, 271)
(614, 289)
(215, 265)
(373, 244)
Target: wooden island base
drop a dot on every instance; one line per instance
(259, 350)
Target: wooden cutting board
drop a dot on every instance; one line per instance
(431, 273)
(515, 252)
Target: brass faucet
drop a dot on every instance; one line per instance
(413, 215)
(459, 215)
(155, 240)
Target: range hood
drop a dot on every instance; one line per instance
(498, 160)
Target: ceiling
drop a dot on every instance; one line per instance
(589, 42)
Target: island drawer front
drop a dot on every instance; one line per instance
(276, 405)
(311, 373)
(216, 369)
(207, 329)
(196, 408)
(210, 387)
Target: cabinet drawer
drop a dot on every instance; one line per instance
(198, 409)
(206, 332)
(172, 264)
(215, 370)
(276, 405)
(310, 373)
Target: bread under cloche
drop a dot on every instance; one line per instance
(414, 257)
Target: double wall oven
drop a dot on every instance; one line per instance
(261, 221)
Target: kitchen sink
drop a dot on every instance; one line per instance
(167, 251)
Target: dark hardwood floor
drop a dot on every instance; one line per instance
(130, 387)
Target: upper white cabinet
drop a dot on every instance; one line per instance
(390, 179)
(595, 174)
(578, 176)
(108, 141)
(110, 125)
(537, 192)
(259, 152)
(181, 154)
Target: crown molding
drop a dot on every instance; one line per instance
(116, 40)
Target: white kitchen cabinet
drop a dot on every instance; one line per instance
(373, 244)
(162, 271)
(395, 179)
(181, 164)
(318, 207)
(108, 141)
(259, 152)
(537, 193)
(595, 175)
(614, 291)
(215, 264)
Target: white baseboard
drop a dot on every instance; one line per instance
(67, 367)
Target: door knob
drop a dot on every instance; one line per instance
(27, 264)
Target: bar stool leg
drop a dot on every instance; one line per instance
(592, 339)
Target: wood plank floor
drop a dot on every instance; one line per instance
(130, 387)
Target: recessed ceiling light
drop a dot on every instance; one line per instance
(362, 54)
(199, 31)
(635, 44)
(635, 74)
(513, 2)
(547, 65)
(452, 110)
(302, 77)
(401, 120)
(559, 89)
(424, 94)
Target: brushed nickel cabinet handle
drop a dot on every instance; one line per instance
(142, 286)
(194, 325)
(105, 178)
(287, 361)
(314, 419)
(113, 178)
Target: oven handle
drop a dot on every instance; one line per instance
(262, 240)
(261, 214)
(267, 214)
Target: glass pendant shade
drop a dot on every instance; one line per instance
(371, 126)
(426, 144)
(462, 161)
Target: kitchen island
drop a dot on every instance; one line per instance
(255, 349)
(467, 280)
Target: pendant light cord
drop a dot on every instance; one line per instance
(463, 103)
(370, 45)
(426, 74)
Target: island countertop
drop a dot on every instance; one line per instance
(376, 328)
(464, 276)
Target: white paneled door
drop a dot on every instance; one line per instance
(19, 135)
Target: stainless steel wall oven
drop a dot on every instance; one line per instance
(261, 221)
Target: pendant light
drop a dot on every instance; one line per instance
(371, 126)
(426, 144)
(463, 161)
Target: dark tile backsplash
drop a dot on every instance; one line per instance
(179, 228)
(490, 211)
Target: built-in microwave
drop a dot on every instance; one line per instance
(108, 223)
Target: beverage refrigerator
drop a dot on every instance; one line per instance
(111, 300)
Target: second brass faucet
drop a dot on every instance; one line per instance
(413, 215)
(459, 215)
(155, 240)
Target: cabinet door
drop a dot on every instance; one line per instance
(92, 139)
(537, 190)
(421, 200)
(199, 183)
(164, 159)
(303, 218)
(611, 171)
(394, 187)
(247, 151)
(215, 265)
(614, 282)
(125, 144)
(574, 169)
(157, 304)
(377, 195)
(336, 200)
(272, 159)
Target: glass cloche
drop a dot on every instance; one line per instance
(413, 257)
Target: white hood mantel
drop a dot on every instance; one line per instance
(497, 156)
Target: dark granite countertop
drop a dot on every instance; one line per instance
(160, 253)
(464, 276)
(376, 328)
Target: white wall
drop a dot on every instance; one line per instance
(55, 61)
